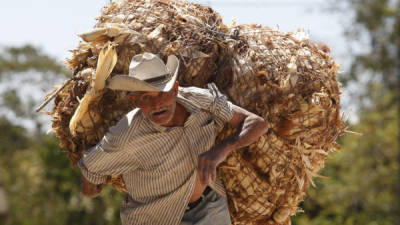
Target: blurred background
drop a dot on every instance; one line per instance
(38, 185)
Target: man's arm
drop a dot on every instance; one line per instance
(89, 189)
(108, 157)
(99, 162)
(250, 128)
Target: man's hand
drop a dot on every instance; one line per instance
(250, 128)
(89, 189)
(208, 162)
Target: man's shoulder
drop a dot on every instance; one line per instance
(133, 116)
(126, 122)
(195, 94)
(191, 90)
(209, 99)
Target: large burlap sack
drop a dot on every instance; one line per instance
(280, 76)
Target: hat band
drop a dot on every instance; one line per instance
(158, 79)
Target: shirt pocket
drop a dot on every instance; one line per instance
(205, 137)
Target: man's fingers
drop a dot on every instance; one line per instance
(204, 175)
(209, 173)
(214, 173)
(201, 170)
(207, 169)
(203, 164)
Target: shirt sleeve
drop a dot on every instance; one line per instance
(108, 157)
(211, 100)
(220, 106)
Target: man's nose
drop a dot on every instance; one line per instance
(155, 102)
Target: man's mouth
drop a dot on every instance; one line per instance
(158, 112)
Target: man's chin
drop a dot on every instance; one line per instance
(161, 120)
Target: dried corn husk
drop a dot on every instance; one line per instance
(283, 77)
(84, 117)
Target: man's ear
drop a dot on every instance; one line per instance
(132, 98)
(175, 88)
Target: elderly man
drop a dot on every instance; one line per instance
(165, 150)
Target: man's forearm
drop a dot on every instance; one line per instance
(251, 129)
(90, 176)
(250, 126)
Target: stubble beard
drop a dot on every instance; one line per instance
(170, 109)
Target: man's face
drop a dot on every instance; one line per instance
(159, 107)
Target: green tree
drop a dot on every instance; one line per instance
(41, 185)
(24, 73)
(43, 188)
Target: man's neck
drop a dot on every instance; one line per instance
(179, 118)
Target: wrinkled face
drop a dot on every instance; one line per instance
(159, 107)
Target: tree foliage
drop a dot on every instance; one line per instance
(26, 58)
(26, 73)
(41, 185)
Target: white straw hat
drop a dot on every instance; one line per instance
(147, 72)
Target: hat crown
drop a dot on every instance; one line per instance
(147, 66)
(147, 72)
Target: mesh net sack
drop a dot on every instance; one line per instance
(282, 77)
(292, 83)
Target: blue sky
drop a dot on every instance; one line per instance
(53, 25)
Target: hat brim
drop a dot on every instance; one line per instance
(128, 83)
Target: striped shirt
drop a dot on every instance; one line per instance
(159, 163)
